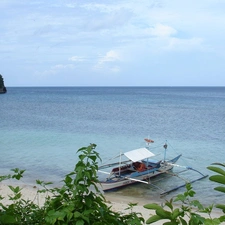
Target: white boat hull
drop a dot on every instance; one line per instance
(118, 182)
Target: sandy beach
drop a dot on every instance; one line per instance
(118, 204)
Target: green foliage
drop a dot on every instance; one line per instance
(218, 178)
(2, 86)
(17, 175)
(189, 212)
(78, 201)
(1, 81)
(20, 211)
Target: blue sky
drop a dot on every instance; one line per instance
(112, 42)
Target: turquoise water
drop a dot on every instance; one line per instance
(42, 128)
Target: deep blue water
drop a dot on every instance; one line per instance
(42, 127)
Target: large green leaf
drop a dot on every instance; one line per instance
(7, 219)
(217, 170)
(218, 178)
(169, 204)
(220, 188)
(163, 213)
(219, 164)
(171, 223)
(153, 206)
(80, 222)
(176, 213)
(183, 221)
(153, 219)
(220, 206)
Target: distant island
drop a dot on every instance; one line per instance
(2, 86)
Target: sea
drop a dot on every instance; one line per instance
(41, 129)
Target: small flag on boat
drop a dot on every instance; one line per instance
(149, 140)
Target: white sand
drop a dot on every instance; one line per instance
(118, 204)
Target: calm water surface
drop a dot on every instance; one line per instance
(42, 128)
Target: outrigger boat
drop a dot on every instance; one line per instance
(140, 166)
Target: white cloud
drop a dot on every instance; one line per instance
(176, 44)
(71, 5)
(61, 66)
(161, 30)
(105, 8)
(115, 69)
(109, 61)
(110, 56)
(76, 59)
(57, 68)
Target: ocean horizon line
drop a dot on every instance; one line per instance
(119, 86)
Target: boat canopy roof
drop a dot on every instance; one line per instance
(138, 154)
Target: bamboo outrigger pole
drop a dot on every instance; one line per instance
(174, 189)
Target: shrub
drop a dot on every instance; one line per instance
(190, 211)
(78, 201)
(219, 178)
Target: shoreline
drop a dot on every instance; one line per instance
(117, 203)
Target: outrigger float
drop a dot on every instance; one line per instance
(140, 166)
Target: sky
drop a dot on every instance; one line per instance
(112, 42)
